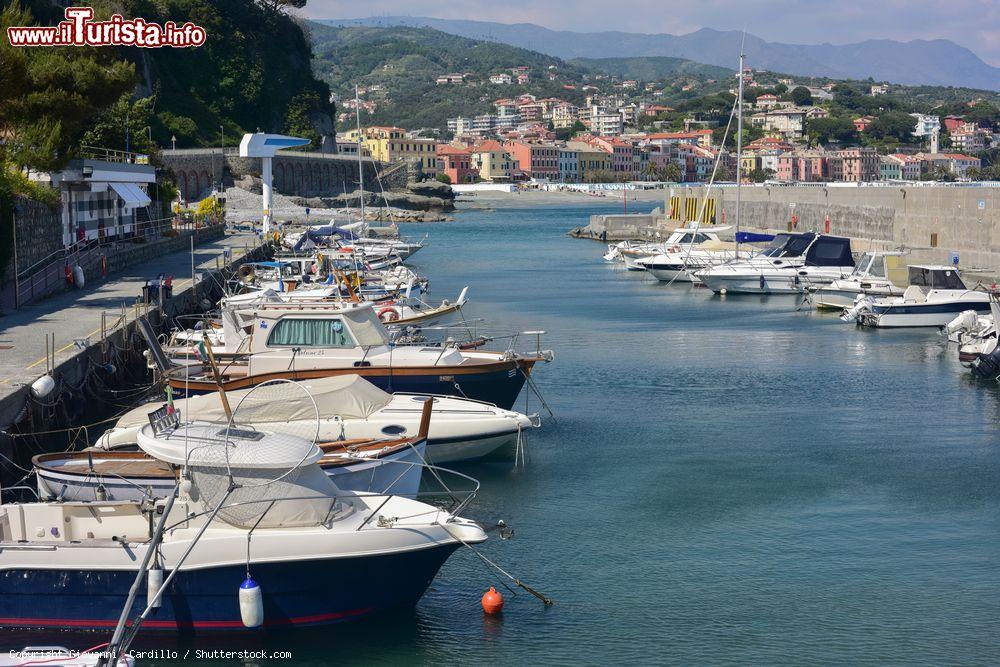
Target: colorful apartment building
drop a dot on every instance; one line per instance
(390, 144)
(590, 159)
(859, 165)
(535, 159)
(456, 163)
(493, 162)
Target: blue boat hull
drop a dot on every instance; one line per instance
(295, 594)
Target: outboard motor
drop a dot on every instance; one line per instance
(966, 321)
(862, 304)
(987, 365)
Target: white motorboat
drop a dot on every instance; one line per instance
(352, 409)
(252, 507)
(689, 250)
(792, 263)
(323, 340)
(935, 296)
(876, 274)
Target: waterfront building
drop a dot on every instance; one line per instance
(536, 159)
(456, 163)
(621, 152)
(569, 169)
(493, 162)
(590, 159)
(890, 169)
(391, 144)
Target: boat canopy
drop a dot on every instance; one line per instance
(345, 396)
(830, 251)
(751, 237)
(314, 235)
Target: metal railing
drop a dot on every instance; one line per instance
(111, 155)
(36, 280)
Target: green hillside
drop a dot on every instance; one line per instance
(654, 68)
(407, 61)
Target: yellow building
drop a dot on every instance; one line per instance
(749, 162)
(589, 159)
(389, 144)
(493, 161)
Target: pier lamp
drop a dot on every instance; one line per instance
(266, 146)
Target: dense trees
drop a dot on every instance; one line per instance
(822, 131)
(48, 96)
(801, 96)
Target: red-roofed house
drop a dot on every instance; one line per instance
(862, 124)
(767, 101)
(623, 154)
(456, 163)
(493, 161)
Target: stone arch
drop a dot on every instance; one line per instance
(206, 183)
(279, 176)
(326, 185)
(182, 184)
(194, 187)
(300, 184)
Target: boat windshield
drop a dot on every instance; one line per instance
(775, 247)
(935, 278)
(786, 245)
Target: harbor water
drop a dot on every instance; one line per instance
(728, 480)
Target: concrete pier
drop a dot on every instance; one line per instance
(94, 332)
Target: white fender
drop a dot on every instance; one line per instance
(78, 277)
(251, 604)
(43, 386)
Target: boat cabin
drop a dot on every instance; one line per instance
(305, 327)
(935, 277)
(691, 236)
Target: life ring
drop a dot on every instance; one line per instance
(388, 315)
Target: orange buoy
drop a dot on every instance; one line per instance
(492, 601)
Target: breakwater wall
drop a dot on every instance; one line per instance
(931, 221)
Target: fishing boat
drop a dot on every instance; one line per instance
(352, 409)
(935, 296)
(689, 250)
(876, 274)
(254, 534)
(323, 340)
(976, 336)
(790, 264)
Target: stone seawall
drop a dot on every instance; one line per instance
(302, 174)
(931, 221)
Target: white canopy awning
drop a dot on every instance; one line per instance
(131, 194)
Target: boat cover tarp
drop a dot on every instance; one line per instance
(751, 237)
(347, 396)
(316, 234)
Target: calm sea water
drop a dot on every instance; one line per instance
(728, 481)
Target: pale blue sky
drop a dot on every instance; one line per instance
(974, 24)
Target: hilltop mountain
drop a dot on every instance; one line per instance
(921, 62)
(403, 64)
(654, 68)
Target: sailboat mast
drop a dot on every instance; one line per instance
(739, 146)
(361, 166)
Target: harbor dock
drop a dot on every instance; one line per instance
(72, 334)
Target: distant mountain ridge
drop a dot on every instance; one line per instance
(920, 62)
